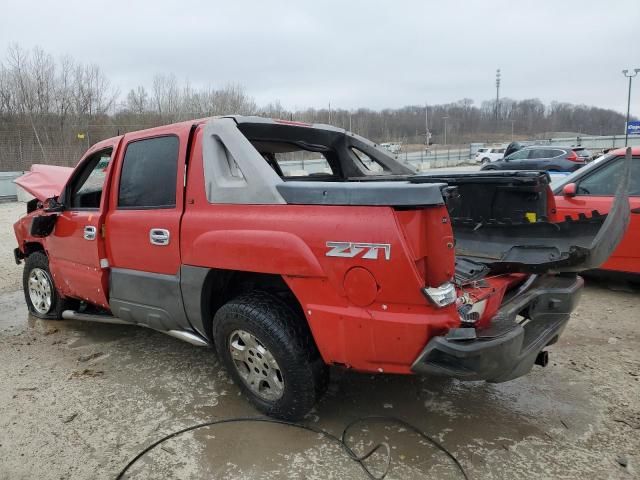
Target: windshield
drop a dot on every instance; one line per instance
(557, 187)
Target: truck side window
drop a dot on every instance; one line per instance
(604, 181)
(86, 189)
(149, 170)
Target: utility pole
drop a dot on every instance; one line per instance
(630, 76)
(426, 123)
(445, 129)
(329, 113)
(497, 96)
(512, 130)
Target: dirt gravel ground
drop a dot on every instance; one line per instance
(78, 401)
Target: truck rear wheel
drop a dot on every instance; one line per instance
(272, 359)
(43, 300)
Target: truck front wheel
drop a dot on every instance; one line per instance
(271, 358)
(43, 300)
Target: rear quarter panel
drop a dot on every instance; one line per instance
(291, 240)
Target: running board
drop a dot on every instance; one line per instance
(190, 337)
(87, 317)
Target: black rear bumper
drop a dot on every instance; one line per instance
(506, 350)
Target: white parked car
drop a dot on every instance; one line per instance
(486, 155)
(392, 147)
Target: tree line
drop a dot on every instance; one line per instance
(48, 103)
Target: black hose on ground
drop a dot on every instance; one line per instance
(360, 459)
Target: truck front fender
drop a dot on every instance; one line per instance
(259, 251)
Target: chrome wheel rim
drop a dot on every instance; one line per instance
(256, 365)
(40, 290)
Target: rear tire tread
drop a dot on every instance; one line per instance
(279, 327)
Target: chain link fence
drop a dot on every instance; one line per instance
(22, 146)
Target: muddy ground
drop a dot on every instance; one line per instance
(78, 401)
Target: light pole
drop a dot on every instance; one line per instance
(630, 76)
(426, 123)
(497, 96)
(445, 129)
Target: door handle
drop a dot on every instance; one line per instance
(635, 210)
(90, 232)
(159, 236)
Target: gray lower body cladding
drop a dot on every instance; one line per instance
(150, 299)
(506, 349)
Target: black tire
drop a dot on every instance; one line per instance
(488, 167)
(485, 160)
(58, 304)
(278, 329)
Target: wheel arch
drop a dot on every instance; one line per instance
(30, 247)
(205, 290)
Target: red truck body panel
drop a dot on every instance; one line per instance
(383, 331)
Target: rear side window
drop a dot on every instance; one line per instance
(604, 181)
(519, 155)
(539, 153)
(149, 172)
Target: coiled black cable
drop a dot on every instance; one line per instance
(360, 459)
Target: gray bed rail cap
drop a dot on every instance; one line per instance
(395, 194)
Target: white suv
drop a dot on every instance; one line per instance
(486, 155)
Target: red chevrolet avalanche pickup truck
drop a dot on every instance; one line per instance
(291, 247)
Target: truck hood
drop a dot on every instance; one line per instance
(44, 181)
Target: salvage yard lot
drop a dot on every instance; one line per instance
(78, 401)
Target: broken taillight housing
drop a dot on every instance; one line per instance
(441, 296)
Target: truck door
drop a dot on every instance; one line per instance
(594, 191)
(143, 228)
(76, 246)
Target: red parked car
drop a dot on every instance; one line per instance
(592, 188)
(292, 246)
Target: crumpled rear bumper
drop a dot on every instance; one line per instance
(506, 349)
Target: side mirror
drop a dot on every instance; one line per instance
(52, 205)
(569, 190)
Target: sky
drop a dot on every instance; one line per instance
(350, 53)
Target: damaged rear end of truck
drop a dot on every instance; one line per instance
(468, 275)
(505, 225)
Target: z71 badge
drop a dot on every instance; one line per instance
(364, 250)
